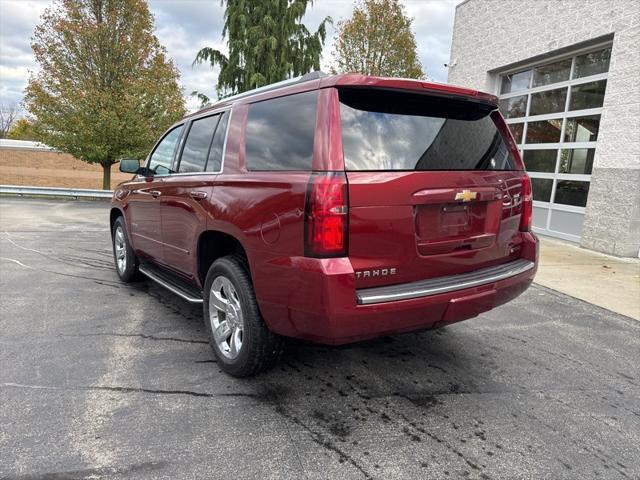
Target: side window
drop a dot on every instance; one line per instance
(280, 133)
(160, 161)
(214, 163)
(197, 144)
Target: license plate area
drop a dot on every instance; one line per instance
(448, 227)
(454, 219)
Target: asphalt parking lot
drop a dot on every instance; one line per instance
(103, 380)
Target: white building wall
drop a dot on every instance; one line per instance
(493, 35)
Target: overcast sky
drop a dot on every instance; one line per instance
(185, 26)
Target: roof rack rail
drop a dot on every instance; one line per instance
(316, 75)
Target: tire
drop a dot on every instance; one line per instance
(238, 335)
(125, 260)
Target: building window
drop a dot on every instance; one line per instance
(553, 110)
(540, 160)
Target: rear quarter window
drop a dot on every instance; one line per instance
(390, 130)
(280, 133)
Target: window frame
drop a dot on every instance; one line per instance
(175, 149)
(178, 158)
(222, 113)
(564, 116)
(157, 144)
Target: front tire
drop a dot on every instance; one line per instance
(238, 335)
(123, 256)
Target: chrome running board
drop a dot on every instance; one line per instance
(433, 286)
(176, 286)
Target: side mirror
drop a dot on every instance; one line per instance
(129, 165)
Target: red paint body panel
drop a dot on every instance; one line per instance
(399, 229)
(404, 220)
(183, 219)
(323, 307)
(327, 148)
(143, 216)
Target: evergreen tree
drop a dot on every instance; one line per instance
(267, 43)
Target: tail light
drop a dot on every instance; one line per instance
(326, 215)
(527, 205)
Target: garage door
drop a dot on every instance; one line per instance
(553, 110)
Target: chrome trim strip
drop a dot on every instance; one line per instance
(169, 287)
(450, 283)
(208, 113)
(135, 234)
(187, 174)
(181, 250)
(224, 148)
(224, 145)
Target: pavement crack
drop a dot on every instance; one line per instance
(123, 389)
(93, 472)
(150, 390)
(139, 335)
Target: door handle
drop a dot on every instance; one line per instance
(155, 193)
(198, 195)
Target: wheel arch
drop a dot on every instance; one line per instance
(113, 215)
(214, 244)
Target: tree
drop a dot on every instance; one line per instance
(8, 116)
(105, 88)
(267, 43)
(377, 40)
(23, 129)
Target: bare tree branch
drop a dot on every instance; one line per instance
(8, 116)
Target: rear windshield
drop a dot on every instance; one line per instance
(390, 130)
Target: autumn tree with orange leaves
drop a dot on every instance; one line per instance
(105, 88)
(377, 40)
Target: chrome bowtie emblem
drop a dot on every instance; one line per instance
(466, 195)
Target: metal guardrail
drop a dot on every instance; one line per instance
(55, 191)
(9, 144)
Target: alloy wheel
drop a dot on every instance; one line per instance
(225, 316)
(120, 244)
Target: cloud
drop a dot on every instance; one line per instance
(185, 26)
(183, 39)
(433, 27)
(13, 73)
(17, 21)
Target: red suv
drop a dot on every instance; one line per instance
(331, 209)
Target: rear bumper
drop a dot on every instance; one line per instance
(326, 307)
(434, 286)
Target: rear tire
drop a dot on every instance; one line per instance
(125, 260)
(238, 335)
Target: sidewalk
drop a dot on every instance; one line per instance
(609, 282)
